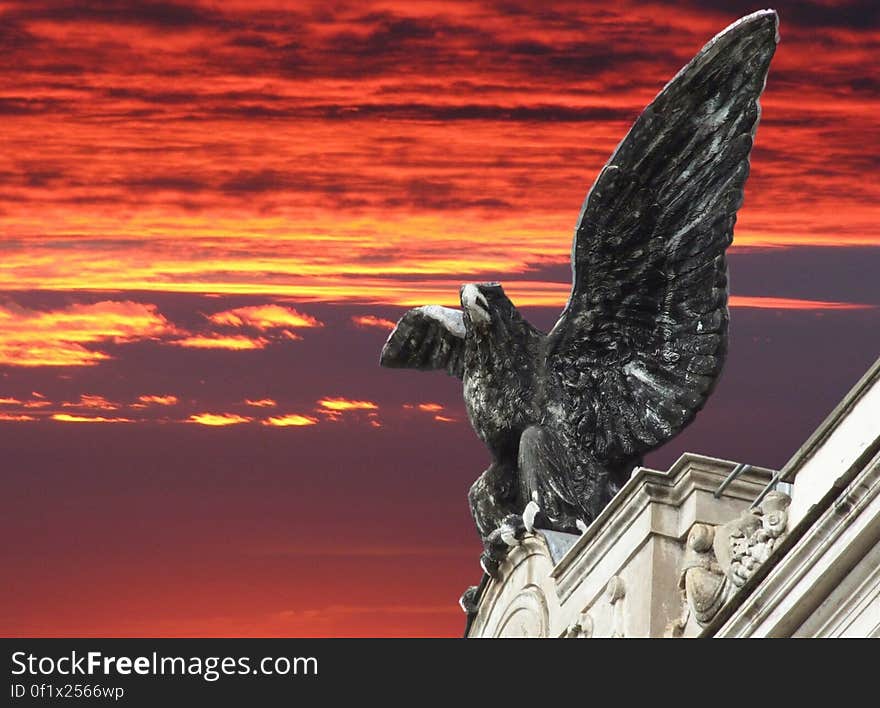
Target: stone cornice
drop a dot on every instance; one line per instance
(637, 511)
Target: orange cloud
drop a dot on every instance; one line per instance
(433, 408)
(344, 404)
(365, 321)
(291, 419)
(9, 401)
(57, 337)
(14, 417)
(265, 317)
(218, 419)
(261, 402)
(91, 401)
(39, 403)
(158, 400)
(66, 418)
(783, 303)
(232, 342)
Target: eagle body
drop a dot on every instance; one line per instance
(506, 394)
(502, 376)
(641, 342)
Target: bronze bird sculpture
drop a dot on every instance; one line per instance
(640, 344)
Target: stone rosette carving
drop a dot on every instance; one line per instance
(720, 559)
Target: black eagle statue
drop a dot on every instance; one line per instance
(640, 345)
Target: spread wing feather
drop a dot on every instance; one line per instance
(643, 337)
(427, 338)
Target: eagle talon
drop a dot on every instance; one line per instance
(500, 542)
(512, 530)
(529, 514)
(489, 564)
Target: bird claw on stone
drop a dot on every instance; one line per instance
(529, 513)
(511, 531)
(499, 542)
(489, 564)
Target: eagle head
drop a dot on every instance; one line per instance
(482, 302)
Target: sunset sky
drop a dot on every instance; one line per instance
(212, 213)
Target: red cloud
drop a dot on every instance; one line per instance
(408, 194)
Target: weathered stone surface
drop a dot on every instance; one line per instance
(620, 578)
(719, 560)
(823, 578)
(567, 415)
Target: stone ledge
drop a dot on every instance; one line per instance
(620, 577)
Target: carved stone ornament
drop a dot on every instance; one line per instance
(567, 414)
(527, 615)
(615, 591)
(580, 629)
(720, 559)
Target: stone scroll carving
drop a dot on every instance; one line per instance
(720, 559)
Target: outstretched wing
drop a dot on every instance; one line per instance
(429, 337)
(643, 337)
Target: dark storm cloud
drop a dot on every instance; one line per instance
(849, 14)
(166, 183)
(34, 175)
(14, 37)
(282, 108)
(432, 112)
(164, 15)
(26, 106)
(247, 182)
